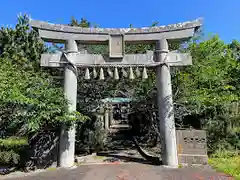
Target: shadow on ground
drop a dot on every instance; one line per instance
(112, 157)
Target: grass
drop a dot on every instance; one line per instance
(229, 164)
(180, 166)
(52, 169)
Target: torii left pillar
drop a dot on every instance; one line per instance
(67, 136)
(165, 106)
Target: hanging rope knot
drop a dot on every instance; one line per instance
(69, 62)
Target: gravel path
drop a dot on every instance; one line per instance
(124, 172)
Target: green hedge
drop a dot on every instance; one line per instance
(11, 150)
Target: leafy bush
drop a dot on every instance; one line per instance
(223, 133)
(10, 158)
(29, 99)
(11, 150)
(90, 136)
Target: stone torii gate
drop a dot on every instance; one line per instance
(161, 59)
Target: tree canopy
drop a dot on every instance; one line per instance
(29, 98)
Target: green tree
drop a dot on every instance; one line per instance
(235, 46)
(21, 45)
(29, 98)
(210, 89)
(83, 22)
(210, 82)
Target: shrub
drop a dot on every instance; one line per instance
(12, 149)
(90, 136)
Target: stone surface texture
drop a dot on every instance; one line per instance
(65, 28)
(125, 172)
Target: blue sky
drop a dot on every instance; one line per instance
(220, 16)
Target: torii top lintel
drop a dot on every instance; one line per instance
(59, 33)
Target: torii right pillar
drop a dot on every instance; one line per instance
(165, 106)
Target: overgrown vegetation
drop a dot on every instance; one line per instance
(210, 91)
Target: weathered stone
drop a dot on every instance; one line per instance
(192, 147)
(96, 60)
(59, 32)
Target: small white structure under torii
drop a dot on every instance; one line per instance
(161, 59)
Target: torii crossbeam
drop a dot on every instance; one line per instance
(161, 59)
